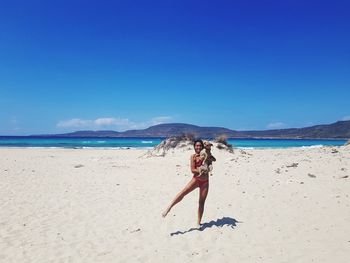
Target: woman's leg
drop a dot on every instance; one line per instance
(188, 188)
(203, 192)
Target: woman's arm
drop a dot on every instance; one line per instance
(193, 167)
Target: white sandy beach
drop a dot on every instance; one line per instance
(105, 205)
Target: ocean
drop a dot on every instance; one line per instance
(81, 142)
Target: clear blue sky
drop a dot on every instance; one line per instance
(76, 65)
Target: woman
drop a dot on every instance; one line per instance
(197, 180)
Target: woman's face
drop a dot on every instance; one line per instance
(198, 147)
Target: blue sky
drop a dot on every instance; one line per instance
(77, 65)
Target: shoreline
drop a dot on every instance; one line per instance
(164, 138)
(150, 147)
(76, 148)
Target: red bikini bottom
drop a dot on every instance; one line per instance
(201, 181)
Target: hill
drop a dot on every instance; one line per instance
(337, 130)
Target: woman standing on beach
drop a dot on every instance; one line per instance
(197, 180)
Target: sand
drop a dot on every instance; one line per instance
(105, 205)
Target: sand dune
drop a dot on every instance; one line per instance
(104, 205)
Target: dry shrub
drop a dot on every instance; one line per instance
(179, 141)
(220, 146)
(222, 139)
(223, 144)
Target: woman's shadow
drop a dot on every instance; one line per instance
(225, 221)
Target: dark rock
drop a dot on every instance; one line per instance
(136, 230)
(294, 165)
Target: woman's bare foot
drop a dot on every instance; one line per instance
(165, 213)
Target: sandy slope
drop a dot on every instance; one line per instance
(89, 205)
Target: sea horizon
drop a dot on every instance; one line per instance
(149, 142)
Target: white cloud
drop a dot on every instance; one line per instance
(111, 122)
(73, 123)
(13, 120)
(14, 124)
(346, 118)
(118, 124)
(160, 120)
(276, 125)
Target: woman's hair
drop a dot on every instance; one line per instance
(200, 141)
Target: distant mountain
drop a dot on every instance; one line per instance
(340, 129)
(83, 134)
(170, 129)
